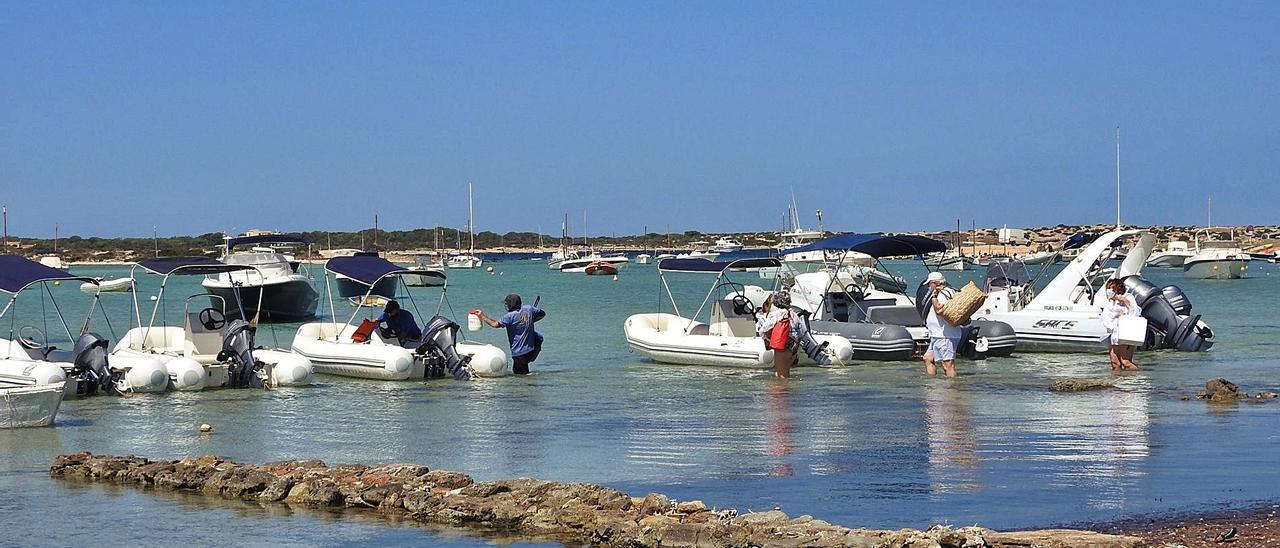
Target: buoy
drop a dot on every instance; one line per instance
(489, 270)
(206, 428)
(615, 277)
(153, 297)
(57, 283)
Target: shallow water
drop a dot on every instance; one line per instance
(875, 444)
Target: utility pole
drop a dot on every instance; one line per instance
(1117, 177)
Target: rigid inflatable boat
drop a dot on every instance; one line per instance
(360, 350)
(881, 324)
(728, 337)
(84, 368)
(1066, 315)
(207, 351)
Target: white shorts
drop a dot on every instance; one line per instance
(943, 349)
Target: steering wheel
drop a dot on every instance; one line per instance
(26, 337)
(212, 319)
(743, 306)
(853, 290)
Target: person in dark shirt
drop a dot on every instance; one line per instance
(526, 343)
(400, 324)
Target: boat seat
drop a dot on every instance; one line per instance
(202, 341)
(725, 323)
(862, 308)
(904, 315)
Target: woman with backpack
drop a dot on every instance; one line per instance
(774, 325)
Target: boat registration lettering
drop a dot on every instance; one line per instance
(1058, 324)
(1057, 307)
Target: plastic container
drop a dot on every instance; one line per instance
(1131, 330)
(473, 320)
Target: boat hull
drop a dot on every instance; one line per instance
(1223, 269)
(30, 406)
(290, 301)
(331, 351)
(662, 338)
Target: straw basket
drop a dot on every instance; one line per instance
(961, 307)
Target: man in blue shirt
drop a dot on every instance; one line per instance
(400, 324)
(526, 343)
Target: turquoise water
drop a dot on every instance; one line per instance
(875, 444)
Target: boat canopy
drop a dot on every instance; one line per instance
(165, 266)
(16, 273)
(1005, 273)
(268, 239)
(875, 245)
(703, 265)
(368, 269)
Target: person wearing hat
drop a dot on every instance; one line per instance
(777, 307)
(943, 337)
(400, 324)
(526, 343)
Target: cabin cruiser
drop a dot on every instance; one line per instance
(360, 350)
(582, 262)
(1216, 260)
(728, 337)
(644, 258)
(84, 369)
(883, 324)
(1172, 256)
(1066, 315)
(285, 295)
(726, 245)
(700, 251)
(430, 262)
(209, 349)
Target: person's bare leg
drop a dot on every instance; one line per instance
(1126, 358)
(949, 368)
(929, 367)
(1114, 354)
(782, 363)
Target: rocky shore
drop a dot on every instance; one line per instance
(570, 512)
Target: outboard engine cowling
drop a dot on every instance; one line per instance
(815, 350)
(237, 350)
(1141, 288)
(1177, 299)
(441, 337)
(90, 365)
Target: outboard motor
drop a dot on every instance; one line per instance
(972, 345)
(815, 350)
(922, 301)
(441, 337)
(90, 366)
(237, 350)
(1177, 299)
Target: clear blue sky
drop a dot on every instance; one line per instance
(208, 116)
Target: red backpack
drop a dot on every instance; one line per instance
(780, 338)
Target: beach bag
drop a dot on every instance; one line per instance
(363, 332)
(780, 337)
(1131, 330)
(961, 307)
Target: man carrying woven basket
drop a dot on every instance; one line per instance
(943, 336)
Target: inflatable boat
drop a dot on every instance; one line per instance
(883, 325)
(1066, 315)
(116, 285)
(727, 338)
(82, 369)
(360, 350)
(207, 350)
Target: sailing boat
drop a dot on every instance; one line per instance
(952, 259)
(576, 262)
(468, 259)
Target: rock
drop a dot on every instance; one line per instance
(1061, 538)
(316, 491)
(654, 503)
(1266, 395)
(691, 507)
(206, 428)
(447, 479)
(761, 519)
(1220, 391)
(1080, 385)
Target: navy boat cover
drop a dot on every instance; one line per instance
(368, 269)
(16, 273)
(268, 239)
(165, 266)
(875, 245)
(703, 265)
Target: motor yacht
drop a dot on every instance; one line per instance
(1172, 256)
(726, 245)
(1216, 259)
(284, 294)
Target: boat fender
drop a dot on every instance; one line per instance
(186, 374)
(440, 338)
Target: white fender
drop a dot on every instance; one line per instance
(43, 372)
(287, 369)
(186, 374)
(486, 360)
(142, 373)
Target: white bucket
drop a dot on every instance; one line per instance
(1131, 330)
(473, 321)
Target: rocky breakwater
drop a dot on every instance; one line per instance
(571, 512)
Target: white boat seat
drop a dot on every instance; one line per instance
(202, 341)
(725, 323)
(904, 315)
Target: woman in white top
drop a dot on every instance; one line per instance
(776, 308)
(1119, 304)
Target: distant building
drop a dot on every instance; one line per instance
(1015, 236)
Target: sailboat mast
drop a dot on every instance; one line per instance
(375, 231)
(55, 238)
(1117, 177)
(6, 227)
(471, 220)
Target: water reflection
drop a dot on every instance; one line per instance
(954, 462)
(780, 426)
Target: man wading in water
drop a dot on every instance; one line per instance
(526, 343)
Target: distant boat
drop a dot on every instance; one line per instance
(1173, 256)
(726, 245)
(601, 268)
(468, 259)
(700, 251)
(117, 285)
(644, 258)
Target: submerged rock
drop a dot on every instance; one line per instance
(1220, 391)
(1079, 385)
(578, 513)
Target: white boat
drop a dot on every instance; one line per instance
(114, 285)
(28, 405)
(469, 259)
(1038, 257)
(1216, 259)
(1172, 256)
(726, 244)
(728, 337)
(644, 258)
(1066, 315)
(700, 251)
(270, 281)
(208, 350)
(84, 368)
(334, 350)
(431, 263)
(580, 263)
(951, 260)
(52, 260)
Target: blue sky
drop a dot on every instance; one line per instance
(198, 117)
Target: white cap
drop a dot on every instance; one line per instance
(936, 277)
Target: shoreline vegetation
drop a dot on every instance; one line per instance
(406, 244)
